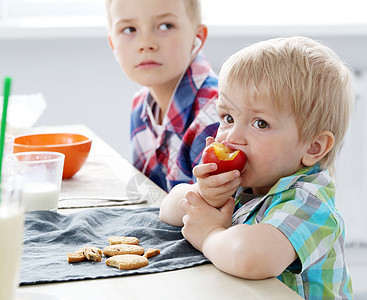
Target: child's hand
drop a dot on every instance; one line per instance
(201, 219)
(216, 189)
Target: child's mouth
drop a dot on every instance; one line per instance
(148, 64)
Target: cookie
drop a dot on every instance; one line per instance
(127, 261)
(93, 253)
(115, 240)
(84, 249)
(151, 252)
(88, 252)
(113, 250)
(75, 257)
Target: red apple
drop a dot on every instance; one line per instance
(226, 158)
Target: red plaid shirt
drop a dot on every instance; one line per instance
(167, 153)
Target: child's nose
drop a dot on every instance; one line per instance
(237, 135)
(147, 44)
(148, 48)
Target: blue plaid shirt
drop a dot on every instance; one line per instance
(302, 206)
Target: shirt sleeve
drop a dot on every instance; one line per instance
(311, 225)
(193, 142)
(137, 125)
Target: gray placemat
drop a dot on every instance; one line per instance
(49, 236)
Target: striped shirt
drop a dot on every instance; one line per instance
(168, 152)
(302, 206)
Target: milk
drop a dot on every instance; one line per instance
(11, 240)
(40, 196)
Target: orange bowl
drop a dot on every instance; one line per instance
(76, 148)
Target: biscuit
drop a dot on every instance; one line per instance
(151, 252)
(93, 253)
(88, 252)
(115, 240)
(84, 249)
(113, 250)
(75, 257)
(127, 261)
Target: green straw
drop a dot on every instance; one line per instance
(7, 84)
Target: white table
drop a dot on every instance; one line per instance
(201, 282)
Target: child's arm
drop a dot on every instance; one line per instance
(248, 251)
(170, 211)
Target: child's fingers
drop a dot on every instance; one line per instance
(229, 184)
(224, 190)
(194, 198)
(228, 188)
(222, 179)
(184, 204)
(228, 207)
(203, 170)
(209, 140)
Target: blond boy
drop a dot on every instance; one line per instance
(157, 43)
(285, 103)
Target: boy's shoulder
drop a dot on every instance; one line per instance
(200, 72)
(310, 195)
(310, 191)
(313, 179)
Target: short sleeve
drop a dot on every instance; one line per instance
(311, 225)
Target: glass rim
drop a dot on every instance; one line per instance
(58, 156)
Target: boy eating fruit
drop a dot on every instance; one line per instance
(286, 104)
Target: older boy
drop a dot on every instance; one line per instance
(285, 103)
(156, 43)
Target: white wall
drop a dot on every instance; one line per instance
(82, 83)
(79, 79)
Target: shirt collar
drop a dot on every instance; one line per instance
(147, 102)
(184, 96)
(304, 173)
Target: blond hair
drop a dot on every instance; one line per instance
(301, 74)
(193, 9)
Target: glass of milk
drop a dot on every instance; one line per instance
(11, 237)
(40, 176)
(8, 150)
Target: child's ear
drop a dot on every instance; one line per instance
(110, 42)
(319, 147)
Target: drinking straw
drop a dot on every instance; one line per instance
(7, 84)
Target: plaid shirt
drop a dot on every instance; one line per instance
(167, 153)
(302, 206)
